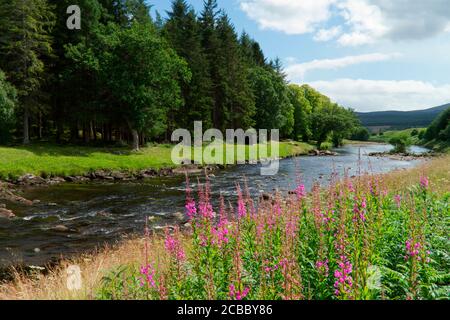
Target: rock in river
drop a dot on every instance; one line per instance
(5, 213)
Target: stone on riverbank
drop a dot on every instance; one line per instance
(5, 213)
(318, 153)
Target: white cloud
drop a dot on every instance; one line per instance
(297, 72)
(365, 21)
(355, 22)
(378, 95)
(328, 34)
(288, 16)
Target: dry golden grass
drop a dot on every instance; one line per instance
(436, 169)
(132, 251)
(53, 286)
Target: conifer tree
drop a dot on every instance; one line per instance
(25, 41)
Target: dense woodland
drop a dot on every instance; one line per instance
(128, 77)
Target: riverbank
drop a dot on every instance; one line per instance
(128, 255)
(50, 161)
(47, 164)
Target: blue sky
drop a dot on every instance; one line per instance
(365, 54)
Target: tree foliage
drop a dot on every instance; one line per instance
(125, 77)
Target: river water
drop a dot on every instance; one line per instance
(73, 218)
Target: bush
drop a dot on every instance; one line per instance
(360, 134)
(400, 142)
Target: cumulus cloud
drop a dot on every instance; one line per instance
(297, 71)
(328, 34)
(378, 95)
(356, 22)
(288, 16)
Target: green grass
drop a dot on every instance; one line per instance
(53, 160)
(388, 135)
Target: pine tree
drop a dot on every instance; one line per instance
(210, 45)
(24, 42)
(237, 105)
(251, 51)
(182, 30)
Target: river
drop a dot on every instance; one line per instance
(73, 218)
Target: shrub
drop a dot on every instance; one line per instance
(400, 143)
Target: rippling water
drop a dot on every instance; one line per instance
(73, 218)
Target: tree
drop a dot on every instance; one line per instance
(251, 51)
(438, 125)
(265, 85)
(235, 102)
(345, 123)
(25, 41)
(75, 69)
(302, 109)
(142, 74)
(360, 134)
(7, 105)
(400, 142)
(182, 30)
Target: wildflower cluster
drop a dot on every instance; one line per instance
(321, 245)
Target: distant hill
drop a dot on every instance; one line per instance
(384, 120)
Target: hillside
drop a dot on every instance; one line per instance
(384, 120)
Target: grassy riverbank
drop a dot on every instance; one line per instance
(438, 146)
(388, 135)
(53, 160)
(395, 247)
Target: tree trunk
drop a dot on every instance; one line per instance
(40, 126)
(26, 129)
(135, 135)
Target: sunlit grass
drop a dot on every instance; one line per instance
(53, 160)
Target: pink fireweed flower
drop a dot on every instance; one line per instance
(191, 209)
(398, 200)
(343, 279)
(173, 247)
(280, 265)
(238, 295)
(277, 209)
(300, 191)
(350, 187)
(413, 249)
(206, 210)
(292, 227)
(148, 276)
(424, 182)
(322, 267)
(221, 233)
(359, 210)
(242, 210)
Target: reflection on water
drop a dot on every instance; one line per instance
(75, 217)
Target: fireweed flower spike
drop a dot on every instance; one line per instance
(300, 191)
(424, 182)
(173, 246)
(242, 210)
(191, 209)
(235, 294)
(398, 200)
(147, 276)
(343, 279)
